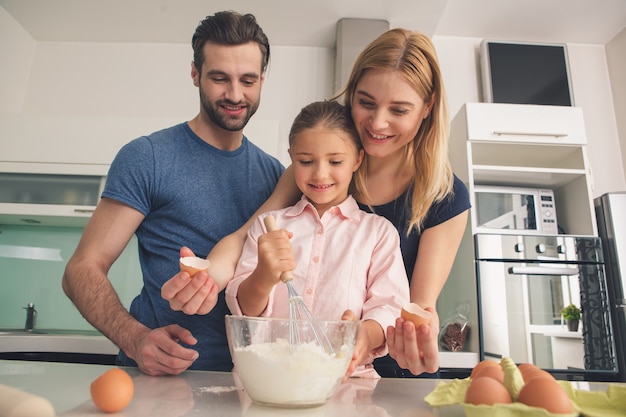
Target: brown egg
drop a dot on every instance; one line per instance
(547, 394)
(193, 264)
(416, 314)
(494, 372)
(482, 365)
(486, 391)
(113, 390)
(536, 373)
(523, 367)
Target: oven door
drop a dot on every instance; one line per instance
(520, 312)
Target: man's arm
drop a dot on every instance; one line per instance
(86, 283)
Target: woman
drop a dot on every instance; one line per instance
(398, 104)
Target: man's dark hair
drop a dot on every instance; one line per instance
(229, 28)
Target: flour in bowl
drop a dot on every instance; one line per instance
(272, 374)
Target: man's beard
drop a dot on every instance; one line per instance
(225, 121)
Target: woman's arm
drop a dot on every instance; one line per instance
(190, 294)
(417, 349)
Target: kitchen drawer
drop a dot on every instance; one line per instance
(525, 123)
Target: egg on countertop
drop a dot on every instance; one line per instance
(487, 391)
(547, 394)
(113, 390)
(536, 373)
(482, 365)
(494, 372)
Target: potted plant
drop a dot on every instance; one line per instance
(571, 314)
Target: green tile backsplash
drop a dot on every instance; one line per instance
(32, 260)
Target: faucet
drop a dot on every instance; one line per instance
(31, 317)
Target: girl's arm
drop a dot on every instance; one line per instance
(417, 349)
(190, 294)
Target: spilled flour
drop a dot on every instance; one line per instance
(216, 390)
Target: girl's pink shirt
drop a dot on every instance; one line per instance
(348, 259)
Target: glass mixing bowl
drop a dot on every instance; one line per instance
(278, 373)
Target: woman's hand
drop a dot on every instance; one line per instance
(415, 349)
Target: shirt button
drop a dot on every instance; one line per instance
(320, 231)
(309, 291)
(316, 259)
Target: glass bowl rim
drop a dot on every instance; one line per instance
(286, 320)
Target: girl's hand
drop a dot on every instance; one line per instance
(275, 257)
(370, 337)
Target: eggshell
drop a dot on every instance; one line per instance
(486, 391)
(113, 390)
(416, 314)
(482, 365)
(494, 372)
(547, 394)
(193, 264)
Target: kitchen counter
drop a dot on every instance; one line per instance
(66, 386)
(51, 340)
(93, 343)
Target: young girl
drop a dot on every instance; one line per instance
(342, 257)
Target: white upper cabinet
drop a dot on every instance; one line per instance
(48, 198)
(524, 123)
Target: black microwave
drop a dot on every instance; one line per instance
(514, 210)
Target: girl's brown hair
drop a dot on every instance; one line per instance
(329, 114)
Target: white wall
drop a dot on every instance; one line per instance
(616, 58)
(153, 80)
(17, 48)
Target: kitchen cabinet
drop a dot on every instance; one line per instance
(49, 194)
(527, 146)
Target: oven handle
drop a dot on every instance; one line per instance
(542, 270)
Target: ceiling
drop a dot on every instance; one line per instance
(313, 23)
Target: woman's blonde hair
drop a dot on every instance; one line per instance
(413, 55)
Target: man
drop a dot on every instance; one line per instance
(188, 185)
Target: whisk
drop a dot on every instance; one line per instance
(301, 321)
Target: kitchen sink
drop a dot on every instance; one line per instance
(64, 341)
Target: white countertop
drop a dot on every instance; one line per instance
(66, 386)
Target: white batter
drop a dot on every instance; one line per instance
(272, 374)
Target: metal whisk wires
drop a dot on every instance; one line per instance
(303, 328)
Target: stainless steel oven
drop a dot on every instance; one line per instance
(524, 281)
